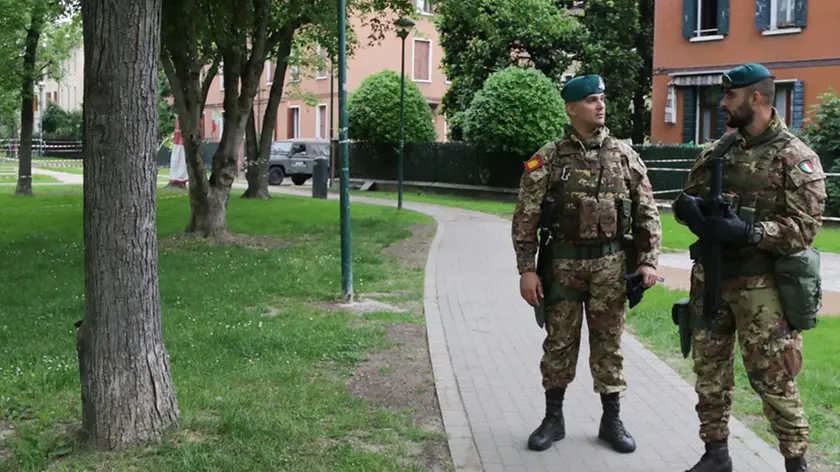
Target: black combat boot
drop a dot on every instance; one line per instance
(716, 458)
(796, 465)
(553, 427)
(612, 429)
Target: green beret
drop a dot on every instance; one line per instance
(745, 75)
(581, 87)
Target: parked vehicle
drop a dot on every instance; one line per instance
(295, 158)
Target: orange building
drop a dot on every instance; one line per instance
(296, 119)
(695, 41)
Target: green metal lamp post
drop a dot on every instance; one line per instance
(404, 26)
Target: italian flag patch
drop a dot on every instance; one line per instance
(807, 167)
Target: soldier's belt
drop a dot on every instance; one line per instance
(585, 251)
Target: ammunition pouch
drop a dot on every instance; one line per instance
(799, 285)
(624, 208)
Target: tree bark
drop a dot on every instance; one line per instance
(128, 396)
(27, 115)
(257, 172)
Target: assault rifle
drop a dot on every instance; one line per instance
(713, 251)
(544, 258)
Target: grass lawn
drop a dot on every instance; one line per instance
(819, 382)
(674, 235)
(11, 178)
(266, 364)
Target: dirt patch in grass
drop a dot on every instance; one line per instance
(414, 250)
(180, 240)
(7, 431)
(400, 377)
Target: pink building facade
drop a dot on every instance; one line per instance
(296, 119)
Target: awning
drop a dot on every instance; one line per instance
(702, 79)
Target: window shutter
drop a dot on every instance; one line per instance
(801, 13)
(689, 17)
(798, 104)
(762, 14)
(723, 17)
(689, 114)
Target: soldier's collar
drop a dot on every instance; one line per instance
(774, 127)
(593, 142)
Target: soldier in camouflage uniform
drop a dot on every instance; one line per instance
(588, 190)
(775, 188)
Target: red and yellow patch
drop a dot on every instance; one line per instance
(534, 163)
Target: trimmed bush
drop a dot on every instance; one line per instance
(517, 111)
(374, 111)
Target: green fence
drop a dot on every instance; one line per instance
(460, 163)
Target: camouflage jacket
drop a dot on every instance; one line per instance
(775, 180)
(587, 208)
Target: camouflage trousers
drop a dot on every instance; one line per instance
(772, 355)
(605, 311)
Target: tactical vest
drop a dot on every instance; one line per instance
(748, 190)
(590, 198)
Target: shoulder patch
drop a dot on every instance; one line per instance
(534, 163)
(806, 166)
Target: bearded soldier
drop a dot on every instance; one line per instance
(585, 194)
(774, 187)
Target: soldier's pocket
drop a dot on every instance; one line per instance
(608, 218)
(589, 218)
(792, 356)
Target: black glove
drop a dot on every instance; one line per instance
(730, 229)
(692, 210)
(635, 288)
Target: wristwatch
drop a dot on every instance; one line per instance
(756, 235)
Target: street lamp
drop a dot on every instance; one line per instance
(41, 116)
(404, 26)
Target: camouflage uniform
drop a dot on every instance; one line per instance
(779, 177)
(586, 218)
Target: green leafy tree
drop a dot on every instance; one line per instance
(374, 111)
(516, 112)
(240, 35)
(480, 37)
(59, 123)
(612, 54)
(822, 133)
(33, 44)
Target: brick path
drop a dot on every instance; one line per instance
(485, 350)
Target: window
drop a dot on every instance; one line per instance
(784, 101)
(321, 122)
(425, 6)
(422, 67)
(707, 112)
(293, 122)
(294, 73)
(221, 77)
(707, 18)
(781, 14)
(269, 72)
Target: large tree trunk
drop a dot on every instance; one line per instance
(27, 115)
(128, 396)
(257, 172)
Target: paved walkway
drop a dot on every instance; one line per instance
(485, 348)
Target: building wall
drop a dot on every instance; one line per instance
(802, 54)
(366, 60)
(68, 93)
